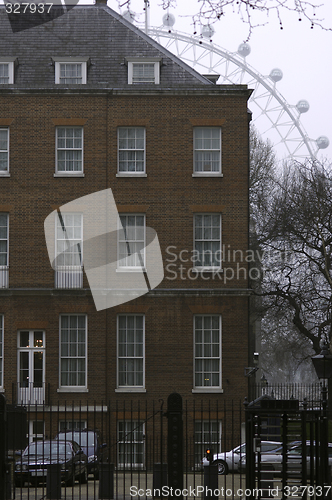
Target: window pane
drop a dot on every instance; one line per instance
(207, 351)
(131, 149)
(130, 351)
(207, 149)
(207, 240)
(70, 149)
(24, 339)
(143, 73)
(38, 339)
(73, 350)
(70, 73)
(132, 241)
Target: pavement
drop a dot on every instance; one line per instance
(139, 486)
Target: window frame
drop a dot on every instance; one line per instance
(10, 71)
(5, 173)
(134, 173)
(129, 388)
(207, 388)
(68, 173)
(60, 61)
(120, 230)
(68, 276)
(203, 268)
(132, 444)
(201, 445)
(65, 238)
(73, 388)
(32, 434)
(207, 173)
(31, 393)
(72, 425)
(132, 61)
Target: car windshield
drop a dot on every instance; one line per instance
(47, 449)
(82, 438)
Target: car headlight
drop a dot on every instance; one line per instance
(63, 466)
(18, 467)
(92, 458)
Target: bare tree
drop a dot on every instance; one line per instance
(291, 244)
(297, 240)
(252, 12)
(303, 10)
(285, 353)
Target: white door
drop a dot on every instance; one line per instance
(31, 367)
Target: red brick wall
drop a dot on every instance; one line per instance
(169, 196)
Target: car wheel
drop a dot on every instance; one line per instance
(83, 479)
(222, 468)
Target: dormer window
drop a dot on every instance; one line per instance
(143, 71)
(71, 70)
(6, 71)
(71, 73)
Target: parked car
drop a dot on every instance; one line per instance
(228, 460)
(268, 455)
(32, 465)
(90, 443)
(294, 458)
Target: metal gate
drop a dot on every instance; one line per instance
(300, 468)
(144, 446)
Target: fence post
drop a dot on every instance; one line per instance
(3, 434)
(106, 480)
(210, 482)
(250, 455)
(175, 445)
(53, 482)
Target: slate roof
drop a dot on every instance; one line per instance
(93, 31)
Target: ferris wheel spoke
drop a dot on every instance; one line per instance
(271, 112)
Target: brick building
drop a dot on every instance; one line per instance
(88, 102)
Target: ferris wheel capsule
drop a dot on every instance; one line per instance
(302, 106)
(244, 49)
(208, 31)
(322, 142)
(168, 20)
(276, 75)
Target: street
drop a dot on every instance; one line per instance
(129, 486)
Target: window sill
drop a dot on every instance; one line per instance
(65, 174)
(72, 389)
(4, 174)
(207, 174)
(206, 390)
(131, 174)
(130, 389)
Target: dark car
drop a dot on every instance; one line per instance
(32, 465)
(90, 443)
